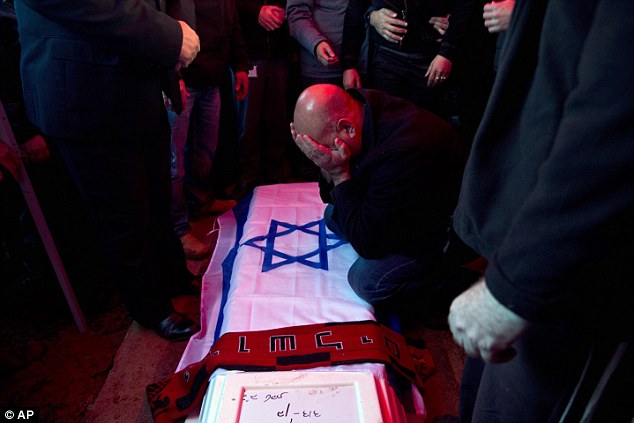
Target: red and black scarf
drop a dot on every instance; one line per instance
(290, 348)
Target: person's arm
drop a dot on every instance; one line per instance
(387, 24)
(271, 17)
(440, 23)
(249, 10)
(185, 13)
(366, 213)
(238, 59)
(585, 185)
(8, 161)
(483, 326)
(459, 24)
(497, 15)
(301, 24)
(35, 149)
(131, 27)
(334, 163)
(580, 210)
(353, 33)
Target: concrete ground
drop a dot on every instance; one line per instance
(143, 358)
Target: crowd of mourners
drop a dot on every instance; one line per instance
(477, 155)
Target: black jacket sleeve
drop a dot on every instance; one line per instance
(353, 32)
(131, 27)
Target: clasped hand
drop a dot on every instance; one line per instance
(388, 25)
(325, 54)
(483, 326)
(271, 17)
(33, 150)
(334, 161)
(8, 161)
(189, 48)
(497, 15)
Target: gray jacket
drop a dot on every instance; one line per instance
(311, 22)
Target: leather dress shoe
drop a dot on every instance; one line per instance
(216, 208)
(193, 248)
(187, 288)
(176, 327)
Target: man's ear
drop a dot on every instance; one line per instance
(345, 125)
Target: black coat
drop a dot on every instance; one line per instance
(404, 183)
(263, 44)
(548, 194)
(421, 37)
(221, 44)
(94, 72)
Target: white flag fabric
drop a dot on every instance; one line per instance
(277, 265)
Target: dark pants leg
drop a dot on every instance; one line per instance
(412, 287)
(72, 229)
(389, 279)
(266, 138)
(537, 384)
(403, 76)
(127, 189)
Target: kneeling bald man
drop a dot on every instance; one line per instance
(390, 173)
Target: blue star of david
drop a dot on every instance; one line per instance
(278, 229)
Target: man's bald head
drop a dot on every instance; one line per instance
(320, 108)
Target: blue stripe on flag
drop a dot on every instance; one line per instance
(241, 212)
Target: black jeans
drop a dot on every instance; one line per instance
(127, 188)
(421, 286)
(403, 75)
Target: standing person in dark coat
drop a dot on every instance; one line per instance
(265, 141)
(409, 58)
(66, 215)
(548, 199)
(195, 131)
(92, 73)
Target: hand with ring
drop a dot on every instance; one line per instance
(439, 70)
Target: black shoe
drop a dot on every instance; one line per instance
(216, 208)
(186, 283)
(188, 288)
(176, 327)
(242, 190)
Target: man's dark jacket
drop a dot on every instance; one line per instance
(548, 194)
(404, 183)
(82, 85)
(10, 86)
(221, 44)
(263, 44)
(421, 37)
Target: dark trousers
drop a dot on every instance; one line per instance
(127, 188)
(403, 75)
(266, 138)
(551, 379)
(421, 286)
